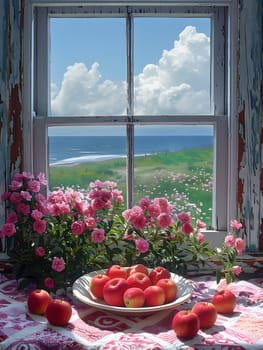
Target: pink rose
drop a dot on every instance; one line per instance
(40, 251)
(27, 175)
(90, 222)
(8, 229)
(33, 186)
(39, 226)
(77, 227)
(15, 197)
(154, 210)
(163, 204)
(15, 185)
(49, 283)
(37, 214)
(139, 222)
(42, 179)
(230, 241)
(5, 196)
(200, 236)
(142, 245)
(12, 218)
(26, 195)
(200, 224)
(164, 220)
(235, 224)
(187, 228)
(58, 264)
(240, 245)
(237, 270)
(98, 235)
(97, 204)
(184, 217)
(23, 208)
(129, 236)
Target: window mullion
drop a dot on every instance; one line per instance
(218, 63)
(41, 95)
(130, 126)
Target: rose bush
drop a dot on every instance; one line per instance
(54, 239)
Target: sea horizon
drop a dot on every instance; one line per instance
(72, 150)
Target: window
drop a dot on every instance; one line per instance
(163, 90)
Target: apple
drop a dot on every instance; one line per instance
(113, 291)
(186, 324)
(134, 297)
(137, 268)
(38, 301)
(224, 301)
(116, 271)
(158, 273)
(139, 280)
(154, 296)
(206, 313)
(169, 287)
(58, 312)
(97, 283)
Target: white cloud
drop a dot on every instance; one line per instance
(179, 83)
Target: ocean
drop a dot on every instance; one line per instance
(79, 149)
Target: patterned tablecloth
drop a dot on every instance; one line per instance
(90, 328)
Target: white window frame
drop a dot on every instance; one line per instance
(37, 121)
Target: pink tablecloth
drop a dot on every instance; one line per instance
(90, 328)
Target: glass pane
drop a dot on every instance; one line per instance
(172, 66)
(80, 155)
(88, 66)
(176, 162)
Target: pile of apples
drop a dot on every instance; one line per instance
(203, 315)
(134, 287)
(57, 311)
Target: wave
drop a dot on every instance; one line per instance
(85, 159)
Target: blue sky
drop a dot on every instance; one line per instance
(72, 37)
(88, 56)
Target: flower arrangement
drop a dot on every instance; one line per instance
(52, 240)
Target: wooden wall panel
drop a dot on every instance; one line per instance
(250, 121)
(11, 142)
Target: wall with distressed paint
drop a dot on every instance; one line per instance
(249, 103)
(11, 149)
(250, 121)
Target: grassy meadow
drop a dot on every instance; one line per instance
(183, 177)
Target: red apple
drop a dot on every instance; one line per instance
(137, 268)
(113, 291)
(224, 301)
(58, 312)
(133, 297)
(38, 301)
(186, 324)
(154, 296)
(169, 287)
(97, 283)
(139, 280)
(206, 313)
(158, 273)
(116, 271)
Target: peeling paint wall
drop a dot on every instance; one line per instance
(11, 143)
(250, 121)
(250, 124)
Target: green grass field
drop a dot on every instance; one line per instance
(183, 177)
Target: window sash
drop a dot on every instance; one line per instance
(219, 94)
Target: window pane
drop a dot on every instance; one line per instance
(176, 162)
(172, 66)
(88, 66)
(79, 155)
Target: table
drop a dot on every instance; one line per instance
(90, 328)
